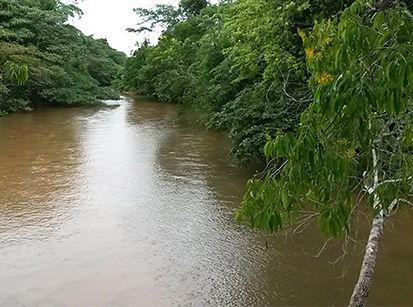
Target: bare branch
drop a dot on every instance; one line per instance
(322, 248)
(406, 201)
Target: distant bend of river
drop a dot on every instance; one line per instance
(131, 206)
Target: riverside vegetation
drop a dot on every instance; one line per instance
(320, 89)
(46, 61)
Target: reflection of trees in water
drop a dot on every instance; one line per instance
(143, 110)
(188, 150)
(191, 152)
(39, 158)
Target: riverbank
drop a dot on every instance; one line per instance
(101, 102)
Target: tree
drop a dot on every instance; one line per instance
(162, 15)
(193, 7)
(58, 64)
(355, 137)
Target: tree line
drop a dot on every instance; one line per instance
(46, 61)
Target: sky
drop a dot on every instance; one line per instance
(110, 18)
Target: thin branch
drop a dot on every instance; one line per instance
(393, 181)
(322, 248)
(304, 223)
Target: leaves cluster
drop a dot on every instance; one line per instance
(355, 137)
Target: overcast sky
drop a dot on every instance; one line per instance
(110, 18)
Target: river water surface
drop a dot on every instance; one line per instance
(131, 206)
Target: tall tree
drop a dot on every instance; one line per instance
(355, 137)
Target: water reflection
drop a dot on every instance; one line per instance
(129, 206)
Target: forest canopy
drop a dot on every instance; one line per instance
(45, 60)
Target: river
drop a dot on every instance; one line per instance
(133, 206)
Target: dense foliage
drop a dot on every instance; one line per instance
(355, 137)
(241, 63)
(44, 60)
(359, 125)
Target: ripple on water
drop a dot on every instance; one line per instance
(128, 206)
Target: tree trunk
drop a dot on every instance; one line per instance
(362, 288)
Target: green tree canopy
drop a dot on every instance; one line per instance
(354, 138)
(58, 64)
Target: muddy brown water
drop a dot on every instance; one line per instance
(131, 206)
